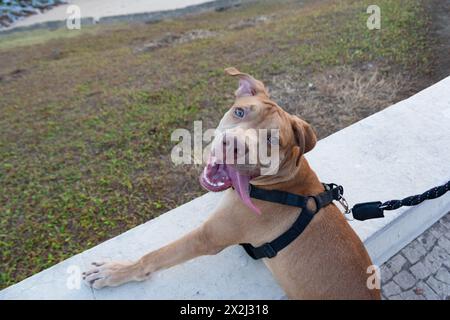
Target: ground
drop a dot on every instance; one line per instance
(86, 115)
(420, 271)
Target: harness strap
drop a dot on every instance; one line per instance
(277, 196)
(361, 211)
(270, 249)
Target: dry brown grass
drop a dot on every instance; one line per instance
(336, 98)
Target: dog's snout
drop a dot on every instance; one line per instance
(230, 140)
(233, 145)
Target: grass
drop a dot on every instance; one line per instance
(85, 120)
(31, 37)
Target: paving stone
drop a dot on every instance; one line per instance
(438, 229)
(405, 280)
(446, 263)
(432, 265)
(386, 274)
(444, 243)
(420, 271)
(411, 295)
(396, 297)
(447, 235)
(428, 261)
(427, 239)
(427, 292)
(443, 275)
(391, 289)
(437, 257)
(445, 221)
(414, 251)
(441, 288)
(396, 263)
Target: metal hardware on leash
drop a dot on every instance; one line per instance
(347, 212)
(342, 201)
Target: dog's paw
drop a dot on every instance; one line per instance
(109, 274)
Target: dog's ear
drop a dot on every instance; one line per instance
(305, 137)
(248, 86)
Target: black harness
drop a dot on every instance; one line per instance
(310, 205)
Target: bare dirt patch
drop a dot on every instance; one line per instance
(171, 39)
(251, 22)
(15, 74)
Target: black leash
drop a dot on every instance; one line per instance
(310, 205)
(373, 210)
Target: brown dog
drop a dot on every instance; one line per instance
(327, 261)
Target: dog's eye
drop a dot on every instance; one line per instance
(239, 112)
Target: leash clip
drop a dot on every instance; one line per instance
(347, 212)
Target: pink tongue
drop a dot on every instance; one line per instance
(241, 183)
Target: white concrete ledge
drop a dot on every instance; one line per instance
(403, 150)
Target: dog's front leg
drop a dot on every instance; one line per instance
(202, 241)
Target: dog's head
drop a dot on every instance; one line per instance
(256, 140)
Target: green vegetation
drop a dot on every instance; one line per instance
(85, 120)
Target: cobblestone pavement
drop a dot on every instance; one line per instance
(421, 270)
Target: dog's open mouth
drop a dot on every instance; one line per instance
(217, 177)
